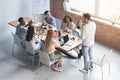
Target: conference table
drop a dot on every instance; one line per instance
(64, 48)
(69, 49)
(26, 19)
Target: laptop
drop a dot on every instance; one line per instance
(65, 38)
(67, 41)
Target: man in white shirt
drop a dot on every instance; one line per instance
(88, 38)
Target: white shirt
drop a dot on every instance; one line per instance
(88, 33)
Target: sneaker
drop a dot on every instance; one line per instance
(56, 69)
(60, 65)
(60, 69)
(80, 54)
(91, 68)
(83, 71)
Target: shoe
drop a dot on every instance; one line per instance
(60, 65)
(56, 69)
(83, 71)
(80, 54)
(90, 68)
(60, 69)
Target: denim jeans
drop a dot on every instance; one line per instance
(88, 57)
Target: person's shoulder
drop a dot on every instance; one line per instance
(52, 18)
(72, 23)
(92, 22)
(45, 18)
(18, 26)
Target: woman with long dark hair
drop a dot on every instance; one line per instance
(33, 38)
(68, 24)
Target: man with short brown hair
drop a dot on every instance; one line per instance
(49, 20)
(88, 38)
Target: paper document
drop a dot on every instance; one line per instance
(69, 42)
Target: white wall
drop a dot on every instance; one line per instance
(11, 10)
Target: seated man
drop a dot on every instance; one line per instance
(21, 30)
(49, 20)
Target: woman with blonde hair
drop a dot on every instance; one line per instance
(50, 43)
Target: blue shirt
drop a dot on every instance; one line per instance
(21, 31)
(51, 21)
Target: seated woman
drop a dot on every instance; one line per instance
(33, 38)
(78, 31)
(50, 43)
(68, 24)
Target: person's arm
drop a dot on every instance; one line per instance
(56, 42)
(77, 32)
(53, 22)
(72, 25)
(44, 23)
(83, 34)
(64, 25)
(23, 29)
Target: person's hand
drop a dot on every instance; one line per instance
(30, 23)
(39, 32)
(44, 22)
(66, 29)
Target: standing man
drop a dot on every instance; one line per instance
(49, 20)
(88, 38)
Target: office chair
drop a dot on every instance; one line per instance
(44, 59)
(31, 49)
(16, 41)
(104, 61)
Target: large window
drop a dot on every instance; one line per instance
(106, 9)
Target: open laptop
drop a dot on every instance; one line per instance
(65, 38)
(67, 41)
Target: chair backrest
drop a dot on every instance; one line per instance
(44, 58)
(105, 58)
(16, 39)
(29, 47)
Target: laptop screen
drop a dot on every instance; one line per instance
(66, 38)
